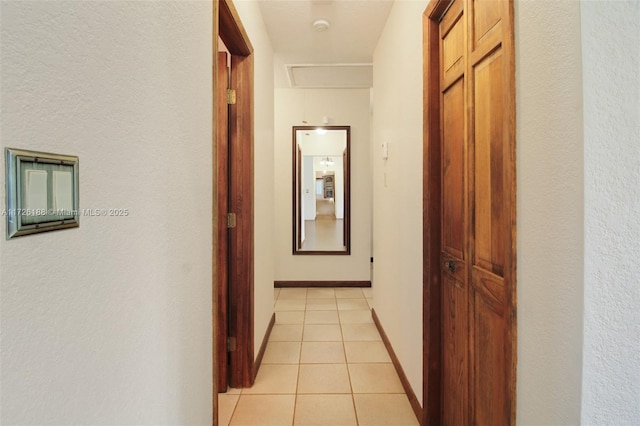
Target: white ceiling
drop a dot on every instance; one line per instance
(332, 58)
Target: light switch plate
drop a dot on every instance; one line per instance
(42, 192)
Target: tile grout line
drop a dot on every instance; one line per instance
(346, 360)
(295, 400)
(235, 407)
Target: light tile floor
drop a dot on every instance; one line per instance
(325, 364)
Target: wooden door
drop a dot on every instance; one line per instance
(455, 235)
(223, 232)
(241, 201)
(476, 245)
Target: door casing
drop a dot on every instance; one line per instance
(222, 171)
(228, 26)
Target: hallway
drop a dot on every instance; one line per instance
(325, 364)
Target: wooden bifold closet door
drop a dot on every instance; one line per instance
(477, 211)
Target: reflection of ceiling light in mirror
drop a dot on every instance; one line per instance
(320, 25)
(326, 161)
(321, 131)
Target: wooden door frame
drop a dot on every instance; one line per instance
(431, 216)
(297, 178)
(222, 172)
(227, 25)
(432, 232)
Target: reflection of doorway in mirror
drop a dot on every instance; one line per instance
(325, 201)
(325, 230)
(328, 186)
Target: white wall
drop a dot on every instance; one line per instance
(251, 18)
(308, 205)
(549, 211)
(397, 207)
(611, 58)
(343, 107)
(110, 323)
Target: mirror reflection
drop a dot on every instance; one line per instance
(321, 190)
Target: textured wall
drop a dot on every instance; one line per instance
(397, 193)
(346, 107)
(110, 323)
(611, 57)
(550, 211)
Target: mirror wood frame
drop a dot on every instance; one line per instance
(296, 200)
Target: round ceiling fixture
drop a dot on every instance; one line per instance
(320, 25)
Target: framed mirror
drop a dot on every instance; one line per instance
(321, 185)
